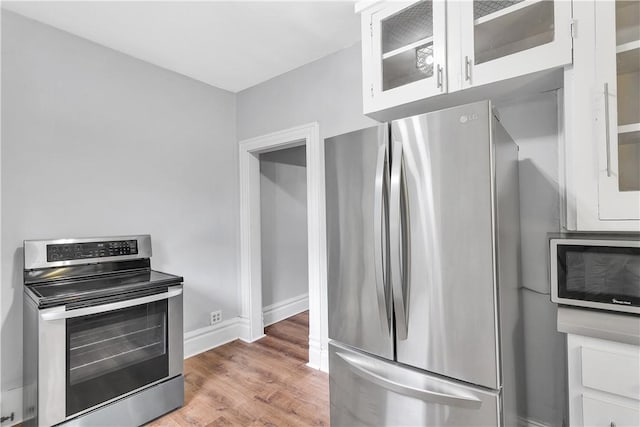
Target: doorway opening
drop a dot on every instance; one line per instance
(251, 269)
(284, 244)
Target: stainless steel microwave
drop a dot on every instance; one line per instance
(596, 271)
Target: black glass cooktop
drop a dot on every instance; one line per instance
(70, 291)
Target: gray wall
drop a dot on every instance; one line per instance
(533, 124)
(283, 215)
(327, 91)
(95, 142)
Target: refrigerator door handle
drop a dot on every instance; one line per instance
(397, 243)
(379, 233)
(385, 378)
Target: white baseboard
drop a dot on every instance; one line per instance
(203, 339)
(316, 359)
(318, 356)
(281, 310)
(315, 351)
(245, 331)
(324, 360)
(12, 402)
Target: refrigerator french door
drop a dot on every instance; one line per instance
(422, 238)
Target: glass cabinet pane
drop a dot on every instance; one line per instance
(502, 28)
(629, 161)
(407, 45)
(627, 16)
(628, 93)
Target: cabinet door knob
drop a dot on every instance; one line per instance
(439, 77)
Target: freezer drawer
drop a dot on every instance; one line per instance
(368, 391)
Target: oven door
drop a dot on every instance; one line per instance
(596, 274)
(103, 352)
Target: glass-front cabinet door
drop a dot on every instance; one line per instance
(505, 39)
(405, 51)
(618, 100)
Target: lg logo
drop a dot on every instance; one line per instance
(468, 118)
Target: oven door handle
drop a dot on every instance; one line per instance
(61, 313)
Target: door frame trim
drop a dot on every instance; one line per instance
(250, 245)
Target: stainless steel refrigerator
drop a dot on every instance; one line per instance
(423, 253)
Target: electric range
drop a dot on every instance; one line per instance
(103, 333)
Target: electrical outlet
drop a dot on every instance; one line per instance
(215, 317)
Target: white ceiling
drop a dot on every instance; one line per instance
(232, 45)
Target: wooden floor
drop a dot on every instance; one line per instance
(265, 383)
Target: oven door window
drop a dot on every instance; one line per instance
(113, 353)
(599, 274)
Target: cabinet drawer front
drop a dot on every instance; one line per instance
(599, 412)
(615, 372)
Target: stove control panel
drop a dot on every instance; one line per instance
(87, 250)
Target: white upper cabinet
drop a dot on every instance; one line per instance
(405, 52)
(602, 118)
(413, 51)
(505, 39)
(617, 65)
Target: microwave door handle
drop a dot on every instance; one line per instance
(61, 313)
(379, 231)
(396, 240)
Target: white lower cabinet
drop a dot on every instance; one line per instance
(597, 411)
(604, 382)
